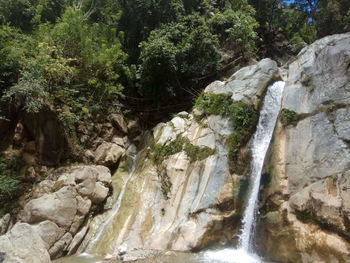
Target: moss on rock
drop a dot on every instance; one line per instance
(213, 104)
(244, 118)
(242, 115)
(160, 152)
(289, 117)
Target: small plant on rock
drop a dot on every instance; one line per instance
(289, 117)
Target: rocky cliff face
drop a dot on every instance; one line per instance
(306, 212)
(182, 195)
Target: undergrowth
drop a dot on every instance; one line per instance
(10, 182)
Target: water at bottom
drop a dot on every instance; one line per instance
(226, 255)
(230, 255)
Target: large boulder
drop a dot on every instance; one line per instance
(119, 122)
(249, 83)
(59, 207)
(310, 158)
(23, 245)
(62, 203)
(108, 153)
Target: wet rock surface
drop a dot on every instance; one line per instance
(179, 202)
(308, 194)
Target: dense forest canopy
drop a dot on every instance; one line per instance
(81, 57)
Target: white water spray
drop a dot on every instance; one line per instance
(260, 145)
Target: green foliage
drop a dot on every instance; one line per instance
(160, 152)
(26, 14)
(174, 52)
(11, 51)
(335, 13)
(289, 117)
(30, 90)
(196, 153)
(75, 66)
(213, 104)
(236, 30)
(243, 117)
(71, 54)
(191, 43)
(10, 180)
(139, 18)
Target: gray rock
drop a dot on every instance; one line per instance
(61, 246)
(49, 233)
(342, 123)
(77, 240)
(249, 83)
(59, 207)
(108, 153)
(134, 129)
(179, 204)
(63, 202)
(23, 245)
(5, 222)
(310, 185)
(119, 123)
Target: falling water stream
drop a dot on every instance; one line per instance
(261, 141)
(114, 211)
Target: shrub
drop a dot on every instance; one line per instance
(243, 117)
(213, 104)
(289, 117)
(10, 181)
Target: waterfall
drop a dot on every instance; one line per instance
(260, 145)
(114, 211)
(261, 142)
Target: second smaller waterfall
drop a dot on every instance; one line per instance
(260, 145)
(115, 210)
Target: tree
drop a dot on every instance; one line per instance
(146, 15)
(174, 53)
(335, 13)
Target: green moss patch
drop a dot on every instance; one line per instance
(213, 104)
(165, 186)
(161, 152)
(242, 115)
(244, 119)
(289, 117)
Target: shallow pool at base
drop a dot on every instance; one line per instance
(214, 256)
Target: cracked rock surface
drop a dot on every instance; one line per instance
(180, 204)
(306, 211)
